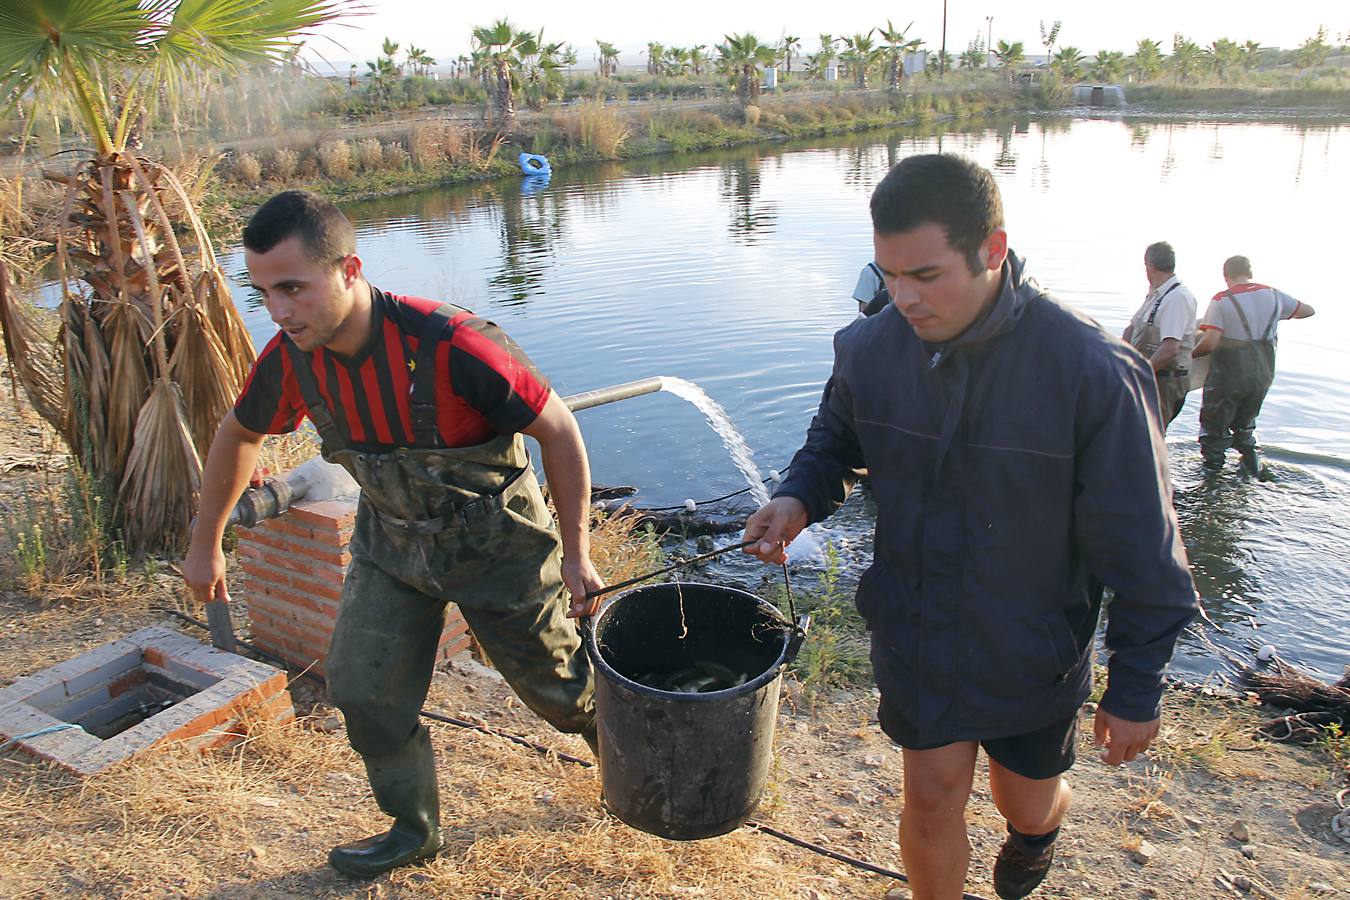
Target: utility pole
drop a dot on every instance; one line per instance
(989, 43)
(942, 56)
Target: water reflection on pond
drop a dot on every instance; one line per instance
(733, 270)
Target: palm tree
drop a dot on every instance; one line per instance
(152, 351)
(390, 50)
(419, 60)
(1249, 51)
(897, 44)
(788, 45)
(381, 75)
(501, 50)
(860, 51)
(697, 58)
(743, 54)
(1109, 66)
(1009, 56)
(609, 58)
(1186, 58)
(1068, 63)
(1225, 55)
(655, 53)
(676, 61)
(1147, 61)
(541, 70)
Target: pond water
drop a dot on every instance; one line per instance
(733, 271)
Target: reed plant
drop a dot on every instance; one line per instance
(595, 128)
(247, 169)
(369, 155)
(335, 159)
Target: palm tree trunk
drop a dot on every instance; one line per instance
(506, 103)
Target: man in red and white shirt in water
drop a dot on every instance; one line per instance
(425, 404)
(1238, 334)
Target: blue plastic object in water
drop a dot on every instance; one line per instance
(534, 164)
(533, 184)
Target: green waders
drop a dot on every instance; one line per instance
(467, 525)
(1174, 382)
(1240, 374)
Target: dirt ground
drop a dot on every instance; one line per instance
(257, 822)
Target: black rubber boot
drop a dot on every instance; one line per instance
(404, 784)
(1252, 464)
(1023, 863)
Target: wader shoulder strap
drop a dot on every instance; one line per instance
(1269, 333)
(302, 365)
(1153, 313)
(436, 328)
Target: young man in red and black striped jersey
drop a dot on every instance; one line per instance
(425, 404)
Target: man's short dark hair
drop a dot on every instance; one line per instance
(941, 189)
(1161, 256)
(1237, 267)
(326, 234)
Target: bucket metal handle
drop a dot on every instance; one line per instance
(794, 645)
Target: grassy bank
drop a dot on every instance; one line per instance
(1323, 95)
(425, 154)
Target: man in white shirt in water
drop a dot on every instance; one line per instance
(1164, 329)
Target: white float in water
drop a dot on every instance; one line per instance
(1266, 653)
(690, 505)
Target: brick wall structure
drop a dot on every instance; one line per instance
(293, 570)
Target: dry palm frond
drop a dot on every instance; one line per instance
(202, 370)
(149, 175)
(76, 425)
(163, 473)
(32, 358)
(213, 293)
(128, 380)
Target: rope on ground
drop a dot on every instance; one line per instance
(50, 729)
(566, 757)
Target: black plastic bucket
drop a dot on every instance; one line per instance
(685, 766)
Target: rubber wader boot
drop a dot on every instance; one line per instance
(404, 784)
(1253, 466)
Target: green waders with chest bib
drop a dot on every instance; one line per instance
(467, 525)
(1240, 374)
(1174, 381)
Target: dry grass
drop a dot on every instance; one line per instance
(175, 822)
(247, 169)
(283, 452)
(335, 159)
(618, 553)
(284, 163)
(369, 154)
(595, 127)
(430, 144)
(173, 810)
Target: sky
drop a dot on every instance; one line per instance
(443, 29)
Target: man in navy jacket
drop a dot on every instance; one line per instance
(1016, 456)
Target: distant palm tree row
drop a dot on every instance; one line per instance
(517, 65)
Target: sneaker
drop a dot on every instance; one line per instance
(1023, 863)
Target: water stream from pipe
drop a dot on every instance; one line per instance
(717, 417)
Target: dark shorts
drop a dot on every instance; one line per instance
(1043, 753)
